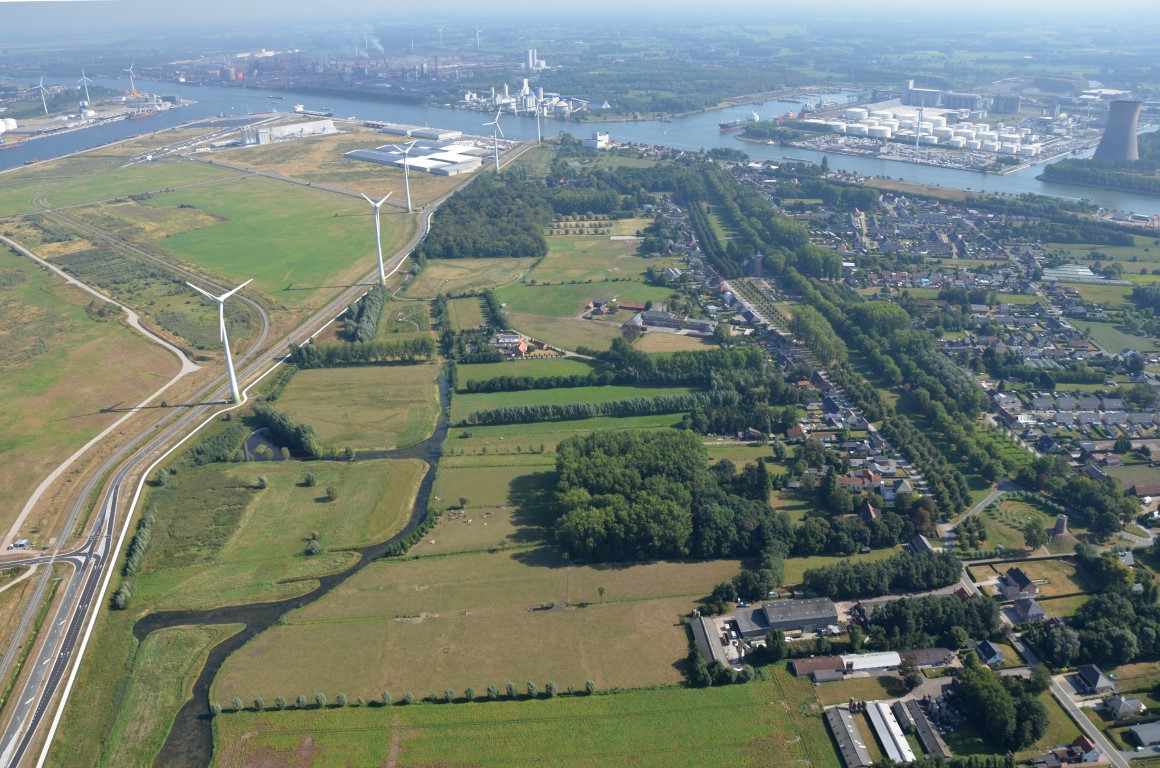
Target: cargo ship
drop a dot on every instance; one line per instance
(737, 125)
(324, 112)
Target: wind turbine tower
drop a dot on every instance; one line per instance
(132, 83)
(235, 395)
(43, 91)
(495, 138)
(406, 177)
(379, 235)
(85, 82)
(477, 31)
(440, 31)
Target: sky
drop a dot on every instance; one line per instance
(75, 17)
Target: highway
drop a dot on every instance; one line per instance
(68, 631)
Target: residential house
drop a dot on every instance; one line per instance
(1121, 707)
(1016, 584)
(1093, 681)
(1028, 610)
(988, 653)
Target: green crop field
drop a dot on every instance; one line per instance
(535, 368)
(443, 276)
(657, 341)
(569, 300)
(295, 242)
(566, 333)
(464, 404)
(1107, 295)
(59, 370)
(1113, 340)
(163, 672)
(1138, 473)
(220, 541)
(481, 443)
(465, 314)
(485, 486)
(378, 406)
(592, 257)
(663, 728)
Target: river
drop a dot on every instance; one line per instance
(693, 132)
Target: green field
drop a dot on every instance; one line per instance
(1111, 339)
(221, 541)
(60, 369)
(570, 300)
(377, 406)
(662, 728)
(592, 258)
(464, 404)
(1107, 295)
(481, 444)
(1133, 474)
(163, 672)
(465, 314)
(295, 242)
(444, 276)
(404, 317)
(536, 368)
(566, 333)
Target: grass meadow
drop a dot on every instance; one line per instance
(444, 276)
(220, 541)
(569, 300)
(485, 444)
(295, 242)
(465, 314)
(592, 257)
(536, 368)
(163, 672)
(655, 341)
(565, 332)
(663, 728)
(370, 407)
(59, 371)
(1113, 340)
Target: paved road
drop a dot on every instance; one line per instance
(1064, 698)
(946, 531)
(68, 634)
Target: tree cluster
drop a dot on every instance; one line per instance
(298, 437)
(416, 350)
(361, 321)
(904, 572)
(923, 622)
(633, 406)
(493, 217)
(1006, 710)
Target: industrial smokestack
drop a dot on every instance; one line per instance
(1119, 139)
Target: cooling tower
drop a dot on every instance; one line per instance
(1119, 139)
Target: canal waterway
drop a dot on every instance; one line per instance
(691, 132)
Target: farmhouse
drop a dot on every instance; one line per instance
(812, 666)
(1092, 680)
(1121, 707)
(1016, 584)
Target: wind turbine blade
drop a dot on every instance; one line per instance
(372, 202)
(227, 294)
(203, 292)
(385, 198)
(499, 129)
(222, 321)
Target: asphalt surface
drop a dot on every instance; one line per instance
(67, 635)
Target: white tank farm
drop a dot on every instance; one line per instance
(943, 132)
(990, 146)
(891, 124)
(1029, 150)
(856, 113)
(965, 133)
(929, 140)
(974, 144)
(1008, 149)
(857, 129)
(987, 136)
(878, 132)
(907, 125)
(956, 142)
(938, 121)
(836, 127)
(882, 114)
(1009, 138)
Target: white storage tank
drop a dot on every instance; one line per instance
(907, 125)
(987, 136)
(938, 121)
(837, 127)
(856, 129)
(1027, 151)
(991, 146)
(965, 133)
(974, 144)
(881, 114)
(1008, 149)
(924, 139)
(891, 124)
(856, 113)
(956, 142)
(1009, 138)
(878, 132)
(943, 132)
(868, 122)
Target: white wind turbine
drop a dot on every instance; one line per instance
(477, 31)
(235, 395)
(132, 83)
(495, 138)
(379, 234)
(43, 91)
(440, 31)
(406, 176)
(85, 82)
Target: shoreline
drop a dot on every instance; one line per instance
(1105, 187)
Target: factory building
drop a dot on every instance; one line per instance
(435, 157)
(253, 135)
